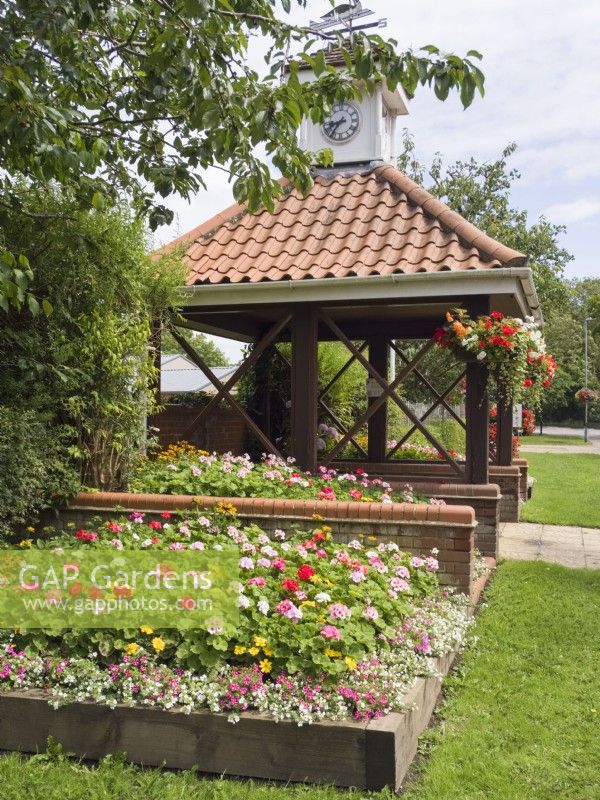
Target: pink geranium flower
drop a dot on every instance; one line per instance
(331, 632)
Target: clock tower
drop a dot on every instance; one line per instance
(357, 131)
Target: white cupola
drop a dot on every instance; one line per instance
(358, 131)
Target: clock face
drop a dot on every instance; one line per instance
(343, 124)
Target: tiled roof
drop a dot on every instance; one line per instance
(379, 223)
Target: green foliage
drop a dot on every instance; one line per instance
(117, 97)
(294, 644)
(210, 352)
(86, 366)
(35, 472)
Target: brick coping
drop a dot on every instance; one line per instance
(260, 506)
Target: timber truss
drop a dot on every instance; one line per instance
(349, 435)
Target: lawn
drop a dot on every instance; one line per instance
(522, 717)
(548, 438)
(566, 490)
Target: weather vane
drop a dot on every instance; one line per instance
(345, 15)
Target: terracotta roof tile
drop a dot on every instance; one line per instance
(378, 223)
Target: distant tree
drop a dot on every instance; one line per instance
(210, 352)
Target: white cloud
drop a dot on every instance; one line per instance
(574, 211)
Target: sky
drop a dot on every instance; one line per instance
(542, 67)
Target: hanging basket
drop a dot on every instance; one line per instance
(586, 395)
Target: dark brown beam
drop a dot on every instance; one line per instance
(477, 409)
(429, 411)
(224, 389)
(379, 355)
(323, 405)
(389, 390)
(504, 433)
(304, 388)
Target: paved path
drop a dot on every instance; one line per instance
(592, 447)
(558, 544)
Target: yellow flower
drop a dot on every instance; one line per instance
(226, 508)
(350, 662)
(332, 653)
(267, 651)
(158, 644)
(317, 517)
(326, 529)
(146, 629)
(30, 529)
(310, 603)
(25, 543)
(315, 579)
(254, 651)
(265, 665)
(260, 641)
(132, 648)
(371, 538)
(239, 650)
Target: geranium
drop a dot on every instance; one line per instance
(290, 585)
(513, 349)
(305, 572)
(86, 536)
(331, 632)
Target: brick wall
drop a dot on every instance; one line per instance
(415, 528)
(484, 500)
(523, 466)
(223, 431)
(509, 480)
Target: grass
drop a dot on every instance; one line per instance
(518, 722)
(523, 717)
(566, 490)
(549, 438)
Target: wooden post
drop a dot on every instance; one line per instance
(477, 409)
(379, 353)
(304, 388)
(504, 433)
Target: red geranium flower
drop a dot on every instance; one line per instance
(166, 515)
(319, 536)
(528, 383)
(290, 584)
(86, 536)
(155, 525)
(496, 315)
(305, 572)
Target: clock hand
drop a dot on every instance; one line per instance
(333, 126)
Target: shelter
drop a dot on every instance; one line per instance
(367, 258)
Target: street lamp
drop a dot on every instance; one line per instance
(585, 361)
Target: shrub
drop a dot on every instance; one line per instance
(35, 472)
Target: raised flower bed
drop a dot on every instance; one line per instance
(343, 636)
